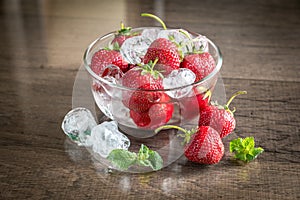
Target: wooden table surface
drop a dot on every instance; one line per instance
(41, 48)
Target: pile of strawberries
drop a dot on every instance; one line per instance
(150, 107)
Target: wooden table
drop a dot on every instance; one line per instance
(42, 43)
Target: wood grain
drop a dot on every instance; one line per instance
(41, 50)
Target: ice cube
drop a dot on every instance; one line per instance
(106, 137)
(77, 125)
(151, 33)
(179, 78)
(178, 36)
(134, 49)
(200, 43)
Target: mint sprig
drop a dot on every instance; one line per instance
(123, 159)
(244, 149)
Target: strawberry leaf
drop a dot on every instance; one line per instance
(122, 158)
(244, 149)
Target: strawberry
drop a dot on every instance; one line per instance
(121, 35)
(104, 57)
(166, 52)
(143, 79)
(221, 118)
(157, 115)
(202, 145)
(202, 64)
(120, 39)
(205, 146)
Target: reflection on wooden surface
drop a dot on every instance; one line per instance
(41, 49)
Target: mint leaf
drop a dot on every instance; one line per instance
(248, 143)
(143, 152)
(149, 158)
(122, 158)
(244, 149)
(236, 145)
(155, 160)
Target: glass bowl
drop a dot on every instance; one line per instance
(177, 106)
(111, 98)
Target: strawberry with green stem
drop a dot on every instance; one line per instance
(122, 34)
(200, 62)
(144, 80)
(202, 145)
(164, 50)
(221, 118)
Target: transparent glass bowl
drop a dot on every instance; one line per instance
(111, 98)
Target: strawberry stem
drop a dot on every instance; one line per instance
(184, 32)
(233, 96)
(187, 133)
(154, 63)
(156, 18)
(124, 30)
(170, 127)
(207, 95)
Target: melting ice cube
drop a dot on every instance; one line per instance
(151, 33)
(134, 49)
(200, 43)
(179, 78)
(77, 125)
(106, 137)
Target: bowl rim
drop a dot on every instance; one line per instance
(118, 86)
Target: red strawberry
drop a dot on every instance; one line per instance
(201, 64)
(219, 117)
(102, 58)
(121, 35)
(144, 79)
(158, 114)
(166, 52)
(120, 39)
(203, 145)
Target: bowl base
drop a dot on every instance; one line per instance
(137, 133)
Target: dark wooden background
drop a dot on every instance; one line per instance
(42, 43)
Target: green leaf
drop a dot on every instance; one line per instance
(156, 162)
(143, 153)
(149, 158)
(244, 149)
(236, 145)
(122, 158)
(248, 143)
(116, 46)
